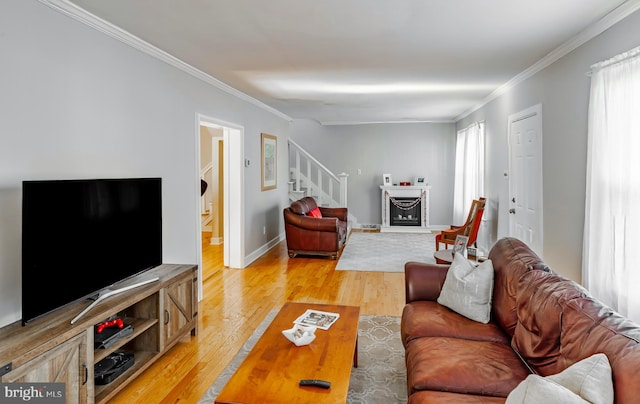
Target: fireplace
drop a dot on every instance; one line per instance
(405, 208)
(404, 212)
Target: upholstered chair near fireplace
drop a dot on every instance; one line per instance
(469, 228)
(314, 230)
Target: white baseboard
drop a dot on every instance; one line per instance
(263, 249)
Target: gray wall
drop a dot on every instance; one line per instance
(563, 90)
(76, 103)
(402, 150)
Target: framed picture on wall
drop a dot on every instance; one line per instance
(269, 161)
(386, 180)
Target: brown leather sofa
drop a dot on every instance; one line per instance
(307, 235)
(541, 323)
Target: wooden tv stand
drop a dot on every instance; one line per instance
(51, 349)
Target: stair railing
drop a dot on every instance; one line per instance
(309, 177)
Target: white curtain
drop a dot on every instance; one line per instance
(611, 259)
(469, 170)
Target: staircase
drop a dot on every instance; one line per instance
(308, 177)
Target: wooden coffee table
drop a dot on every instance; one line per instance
(273, 368)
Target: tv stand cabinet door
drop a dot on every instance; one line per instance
(66, 363)
(180, 304)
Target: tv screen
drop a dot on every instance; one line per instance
(81, 236)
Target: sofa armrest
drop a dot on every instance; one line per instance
(423, 281)
(340, 213)
(328, 224)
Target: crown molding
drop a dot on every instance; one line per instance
(79, 14)
(621, 12)
(344, 123)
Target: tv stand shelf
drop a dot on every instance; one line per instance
(51, 349)
(139, 326)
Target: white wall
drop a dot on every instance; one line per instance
(402, 150)
(76, 103)
(563, 90)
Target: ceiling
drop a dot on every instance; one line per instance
(363, 61)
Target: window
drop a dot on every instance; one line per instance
(469, 170)
(612, 207)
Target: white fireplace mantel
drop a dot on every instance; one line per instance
(405, 191)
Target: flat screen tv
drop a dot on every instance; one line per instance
(82, 236)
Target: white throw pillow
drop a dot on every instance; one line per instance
(588, 380)
(467, 289)
(538, 390)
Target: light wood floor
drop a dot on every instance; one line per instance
(236, 300)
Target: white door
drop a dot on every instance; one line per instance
(525, 180)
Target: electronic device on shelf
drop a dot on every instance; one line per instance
(115, 364)
(102, 232)
(110, 331)
(115, 322)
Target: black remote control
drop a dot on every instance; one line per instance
(323, 384)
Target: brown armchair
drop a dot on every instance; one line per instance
(308, 235)
(469, 228)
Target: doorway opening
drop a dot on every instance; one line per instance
(224, 173)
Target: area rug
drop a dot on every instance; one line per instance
(386, 252)
(379, 378)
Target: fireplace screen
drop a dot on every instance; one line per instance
(404, 211)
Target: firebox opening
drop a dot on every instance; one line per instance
(402, 212)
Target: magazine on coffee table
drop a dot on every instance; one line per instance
(316, 318)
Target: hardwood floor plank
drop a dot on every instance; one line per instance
(234, 303)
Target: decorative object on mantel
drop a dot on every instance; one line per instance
(269, 160)
(405, 183)
(420, 181)
(386, 179)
